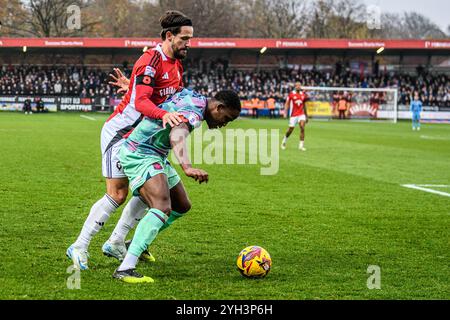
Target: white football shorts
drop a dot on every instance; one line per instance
(293, 121)
(111, 167)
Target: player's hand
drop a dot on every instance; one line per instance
(197, 174)
(172, 118)
(121, 81)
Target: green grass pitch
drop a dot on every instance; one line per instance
(325, 217)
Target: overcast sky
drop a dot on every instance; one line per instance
(436, 10)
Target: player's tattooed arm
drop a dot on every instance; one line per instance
(120, 81)
(178, 136)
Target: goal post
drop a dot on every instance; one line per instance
(352, 103)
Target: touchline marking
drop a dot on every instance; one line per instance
(434, 185)
(422, 188)
(87, 117)
(434, 138)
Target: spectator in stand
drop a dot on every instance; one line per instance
(57, 87)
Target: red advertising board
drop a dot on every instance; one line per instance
(227, 43)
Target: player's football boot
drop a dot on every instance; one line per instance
(131, 276)
(283, 146)
(302, 149)
(114, 250)
(78, 256)
(145, 256)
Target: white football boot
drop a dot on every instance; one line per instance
(114, 250)
(78, 256)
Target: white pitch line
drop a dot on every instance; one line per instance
(87, 117)
(413, 186)
(434, 138)
(434, 185)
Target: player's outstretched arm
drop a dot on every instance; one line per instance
(178, 137)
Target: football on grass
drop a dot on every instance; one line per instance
(254, 262)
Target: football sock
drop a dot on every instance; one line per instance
(285, 140)
(129, 262)
(302, 144)
(146, 232)
(99, 214)
(131, 215)
(173, 216)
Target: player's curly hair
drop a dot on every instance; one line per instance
(229, 99)
(173, 21)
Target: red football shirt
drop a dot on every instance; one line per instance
(297, 102)
(155, 77)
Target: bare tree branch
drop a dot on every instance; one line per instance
(212, 18)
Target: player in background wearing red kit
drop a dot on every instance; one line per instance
(156, 75)
(296, 104)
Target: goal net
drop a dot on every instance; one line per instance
(352, 103)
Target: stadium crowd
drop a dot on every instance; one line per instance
(49, 80)
(434, 89)
(216, 75)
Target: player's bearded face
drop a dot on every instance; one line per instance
(182, 42)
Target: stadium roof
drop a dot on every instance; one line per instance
(228, 43)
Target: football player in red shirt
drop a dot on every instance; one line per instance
(296, 104)
(156, 75)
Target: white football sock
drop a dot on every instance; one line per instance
(302, 144)
(285, 140)
(100, 213)
(133, 212)
(129, 262)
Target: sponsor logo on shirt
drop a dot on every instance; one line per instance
(150, 71)
(167, 91)
(194, 119)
